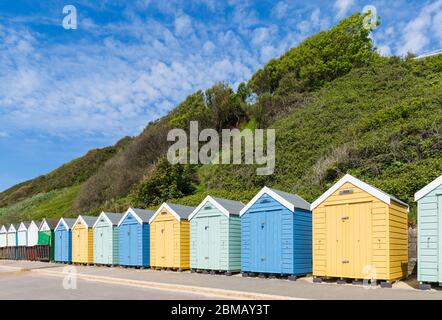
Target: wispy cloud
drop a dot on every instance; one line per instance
(416, 35)
(343, 6)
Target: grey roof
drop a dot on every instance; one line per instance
(294, 199)
(114, 217)
(144, 215)
(70, 222)
(52, 223)
(182, 211)
(26, 223)
(37, 222)
(234, 207)
(89, 220)
(391, 197)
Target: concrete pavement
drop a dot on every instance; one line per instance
(226, 287)
(25, 285)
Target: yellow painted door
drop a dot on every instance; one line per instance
(168, 243)
(159, 243)
(348, 240)
(359, 239)
(335, 240)
(76, 254)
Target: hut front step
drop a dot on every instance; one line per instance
(425, 286)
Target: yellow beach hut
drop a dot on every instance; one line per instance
(83, 240)
(170, 237)
(359, 232)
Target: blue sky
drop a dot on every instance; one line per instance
(63, 92)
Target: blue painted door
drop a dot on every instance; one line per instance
(133, 244)
(58, 246)
(266, 241)
(259, 242)
(65, 245)
(124, 234)
(273, 241)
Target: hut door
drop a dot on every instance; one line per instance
(214, 243)
(59, 246)
(259, 240)
(348, 240)
(77, 240)
(100, 243)
(335, 217)
(439, 246)
(203, 245)
(169, 240)
(359, 238)
(159, 243)
(133, 244)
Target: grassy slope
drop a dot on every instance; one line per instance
(53, 204)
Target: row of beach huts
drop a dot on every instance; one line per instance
(353, 231)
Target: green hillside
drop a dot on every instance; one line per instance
(336, 105)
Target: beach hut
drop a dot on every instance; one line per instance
(22, 234)
(3, 236)
(106, 238)
(46, 240)
(134, 238)
(215, 235)
(63, 240)
(12, 235)
(276, 234)
(83, 240)
(359, 232)
(429, 248)
(33, 233)
(170, 236)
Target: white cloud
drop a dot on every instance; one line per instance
(417, 33)
(343, 6)
(108, 86)
(3, 134)
(280, 10)
(183, 25)
(437, 26)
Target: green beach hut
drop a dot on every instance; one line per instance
(215, 236)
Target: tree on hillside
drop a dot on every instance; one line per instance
(165, 182)
(319, 59)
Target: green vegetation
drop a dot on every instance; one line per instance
(336, 105)
(166, 182)
(53, 204)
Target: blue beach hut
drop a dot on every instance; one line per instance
(276, 234)
(63, 240)
(134, 238)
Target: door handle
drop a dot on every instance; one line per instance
(345, 261)
(263, 259)
(345, 218)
